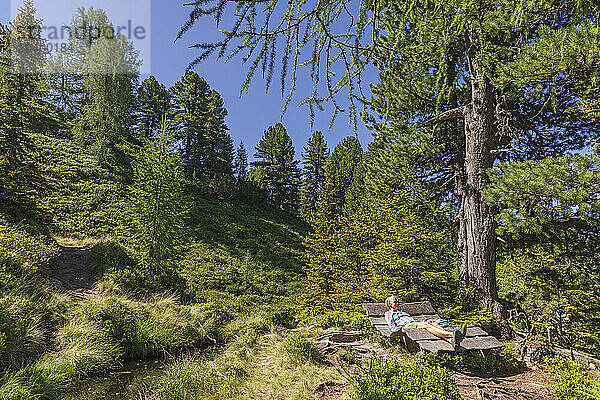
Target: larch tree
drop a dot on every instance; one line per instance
(469, 82)
(111, 73)
(157, 199)
(22, 58)
(153, 103)
(68, 67)
(314, 160)
(321, 267)
(275, 154)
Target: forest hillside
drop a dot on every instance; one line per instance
(145, 254)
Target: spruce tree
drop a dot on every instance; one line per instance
(345, 158)
(199, 122)
(22, 57)
(275, 153)
(152, 103)
(241, 163)
(314, 161)
(157, 200)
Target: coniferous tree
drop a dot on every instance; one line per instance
(321, 267)
(464, 85)
(153, 103)
(111, 71)
(199, 123)
(218, 160)
(396, 241)
(345, 158)
(22, 57)
(157, 199)
(69, 67)
(314, 161)
(241, 163)
(280, 171)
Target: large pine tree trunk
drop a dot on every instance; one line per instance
(477, 236)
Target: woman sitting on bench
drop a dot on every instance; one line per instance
(398, 319)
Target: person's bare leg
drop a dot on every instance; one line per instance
(435, 330)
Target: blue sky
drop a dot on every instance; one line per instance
(250, 114)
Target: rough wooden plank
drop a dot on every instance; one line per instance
(422, 334)
(384, 330)
(380, 324)
(381, 320)
(418, 308)
(435, 346)
(374, 309)
(473, 331)
(419, 334)
(481, 343)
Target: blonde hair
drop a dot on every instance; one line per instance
(389, 302)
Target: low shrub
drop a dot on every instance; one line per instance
(503, 361)
(340, 319)
(283, 315)
(300, 349)
(23, 256)
(571, 380)
(391, 379)
(109, 255)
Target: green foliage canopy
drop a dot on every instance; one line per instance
(314, 160)
(157, 200)
(275, 153)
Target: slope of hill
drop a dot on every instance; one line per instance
(237, 260)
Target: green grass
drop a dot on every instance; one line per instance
(100, 335)
(246, 369)
(239, 275)
(300, 349)
(141, 329)
(392, 379)
(21, 333)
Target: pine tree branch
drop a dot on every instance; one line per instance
(450, 115)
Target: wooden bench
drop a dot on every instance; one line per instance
(419, 339)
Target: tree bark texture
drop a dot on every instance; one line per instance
(477, 229)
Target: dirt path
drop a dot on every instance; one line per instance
(71, 273)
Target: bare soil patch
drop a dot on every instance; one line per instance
(71, 273)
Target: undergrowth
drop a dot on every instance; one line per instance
(99, 335)
(473, 361)
(392, 379)
(572, 381)
(300, 349)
